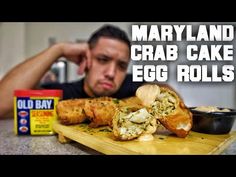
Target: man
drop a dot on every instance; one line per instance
(104, 59)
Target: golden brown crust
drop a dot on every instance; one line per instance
(71, 111)
(180, 121)
(131, 102)
(98, 110)
(100, 113)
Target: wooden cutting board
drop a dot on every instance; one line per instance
(102, 140)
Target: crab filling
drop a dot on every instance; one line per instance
(130, 125)
(164, 104)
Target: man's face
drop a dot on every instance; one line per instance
(110, 59)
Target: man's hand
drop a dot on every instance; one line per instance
(79, 54)
(26, 75)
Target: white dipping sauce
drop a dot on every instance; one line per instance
(210, 109)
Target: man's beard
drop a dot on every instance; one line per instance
(97, 91)
(102, 93)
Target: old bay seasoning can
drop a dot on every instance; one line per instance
(35, 111)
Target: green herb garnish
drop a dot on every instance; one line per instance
(105, 130)
(116, 101)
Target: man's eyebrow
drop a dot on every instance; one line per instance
(122, 62)
(103, 55)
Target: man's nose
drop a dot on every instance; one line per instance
(111, 71)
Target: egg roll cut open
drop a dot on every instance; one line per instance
(131, 122)
(166, 106)
(71, 111)
(100, 111)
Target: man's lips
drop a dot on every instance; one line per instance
(107, 85)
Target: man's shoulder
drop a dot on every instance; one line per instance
(66, 84)
(71, 90)
(128, 88)
(129, 80)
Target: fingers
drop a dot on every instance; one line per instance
(79, 54)
(82, 66)
(86, 62)
(89, 60)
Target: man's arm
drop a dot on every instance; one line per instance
(27, 74)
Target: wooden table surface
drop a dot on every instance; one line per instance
(102, 140)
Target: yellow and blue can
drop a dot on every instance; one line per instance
(35, 111)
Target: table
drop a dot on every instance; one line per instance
(11, 144)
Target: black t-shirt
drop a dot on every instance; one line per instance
(75, 89)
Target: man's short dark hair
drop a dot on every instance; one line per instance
(109, 31)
